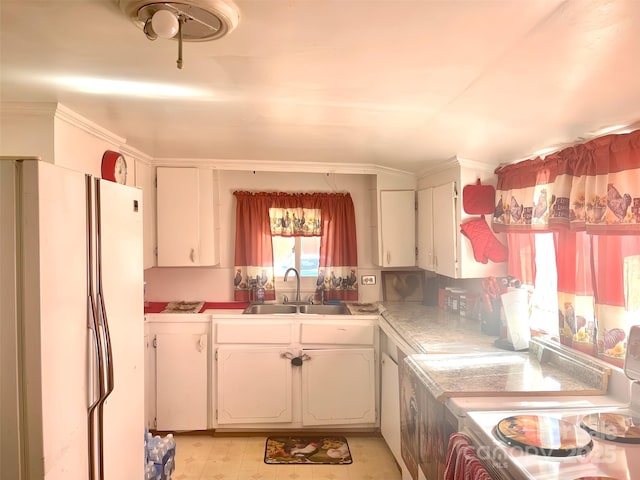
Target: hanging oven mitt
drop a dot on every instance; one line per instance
(485, 245)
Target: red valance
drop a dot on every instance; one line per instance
(593, 186)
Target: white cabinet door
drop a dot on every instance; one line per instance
(181, 381)
(338, 386)
(185, 217)
(445, 230)
(254, 385)
(149, 381)
(144, 180)
(398, 228)
(390, 405)
(425, 229)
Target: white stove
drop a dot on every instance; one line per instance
(605, 458)
(587, 439)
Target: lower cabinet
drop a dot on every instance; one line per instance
(303, 374)
(260, 373)
(254, 385)
(149, 380)
(177, 376)
(338, 386)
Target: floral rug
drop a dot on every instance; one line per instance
(314, 450)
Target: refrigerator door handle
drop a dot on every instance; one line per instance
(96, 352)
(105, 338)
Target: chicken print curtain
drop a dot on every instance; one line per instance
(261, 215)
(589, 195)
(593, 186)
(337, 274)
(299, 221)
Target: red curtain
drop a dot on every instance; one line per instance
(338, 246)
(589, 195)
(522, 256)
(253, 253)
(255, 226)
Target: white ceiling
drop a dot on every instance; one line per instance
(396, 83)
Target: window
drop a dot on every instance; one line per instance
(321, 221)
(303, 253)
(544, 299)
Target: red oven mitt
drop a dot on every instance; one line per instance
(478, 199)
(485, 245)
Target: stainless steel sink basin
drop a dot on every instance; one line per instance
(324, 310)
(304, 309)
(270, 309)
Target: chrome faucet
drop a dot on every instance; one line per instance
(286, 274)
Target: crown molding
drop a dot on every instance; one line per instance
(454, 162)
(72, 118)
(273, 166)
(133, 152)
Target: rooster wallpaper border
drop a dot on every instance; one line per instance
(403, 286)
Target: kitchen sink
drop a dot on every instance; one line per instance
(270, 309)
(304, 309)
(324, 310)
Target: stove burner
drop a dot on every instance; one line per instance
(615, 427)
(596, 478)
(543, 435)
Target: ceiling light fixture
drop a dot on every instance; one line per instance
(189, 20)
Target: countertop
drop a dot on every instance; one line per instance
(432, 330)
(495, 374)
(234, 307)
(468, 364)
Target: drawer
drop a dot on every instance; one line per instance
(254, 332)
(196, 328)
(338, 334)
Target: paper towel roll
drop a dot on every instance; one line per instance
(516, 311)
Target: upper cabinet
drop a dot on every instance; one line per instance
(397, 228)
(393, 221)
(144, 180)
(437, 229)
(186, 217)
(424, 225)
(441, 246)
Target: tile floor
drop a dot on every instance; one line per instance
(201, 457)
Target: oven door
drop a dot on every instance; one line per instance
(490, 458)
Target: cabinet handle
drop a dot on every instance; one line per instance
(388, 257)
(192, 255)
(202, 343)
(295, 361)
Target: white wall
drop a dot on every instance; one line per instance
(59, 135)
(27, 130)
(214, 284)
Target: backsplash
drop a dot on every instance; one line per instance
(214, 285)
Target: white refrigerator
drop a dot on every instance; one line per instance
(71, 325)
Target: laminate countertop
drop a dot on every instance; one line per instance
(468, 364)
(432, 330)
